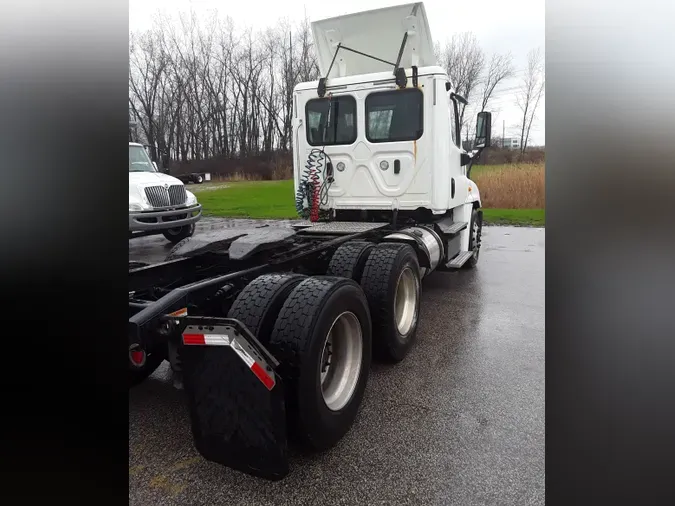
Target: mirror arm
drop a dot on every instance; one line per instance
(473, 157)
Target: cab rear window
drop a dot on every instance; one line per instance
(331, 121)
(393, 116)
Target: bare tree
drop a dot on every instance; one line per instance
(498, 70)
(147, 67)
(463, 60)
(530, 93)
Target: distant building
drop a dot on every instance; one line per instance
(511, 142)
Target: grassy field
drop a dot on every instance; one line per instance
(255, 199)
(511, 195)
(520, 217)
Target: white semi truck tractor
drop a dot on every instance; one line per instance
(272, 330)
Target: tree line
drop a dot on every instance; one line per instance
(201, 88)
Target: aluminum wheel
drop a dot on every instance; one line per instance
(475, 238)
(405, 301)
(341, 361)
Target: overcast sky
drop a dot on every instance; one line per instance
(514, 25)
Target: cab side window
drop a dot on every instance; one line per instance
(451, 116)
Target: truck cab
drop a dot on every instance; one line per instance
(158, 202)
(380, 131)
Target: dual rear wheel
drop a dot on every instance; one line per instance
(389, 274)
(324, 329)
(319, 329)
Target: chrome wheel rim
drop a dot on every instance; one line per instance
(405, 301)
(475, 238)
(341, 359)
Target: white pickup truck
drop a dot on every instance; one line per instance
(158, 203)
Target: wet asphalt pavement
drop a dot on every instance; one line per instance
(459, 421)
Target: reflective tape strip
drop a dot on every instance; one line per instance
(180, 313)
(255, 367)
(262, 375)
(193, 339)
(259, 370)
(206, 339)
(216, 339)
(243, 354)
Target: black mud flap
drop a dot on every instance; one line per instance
(236, 397)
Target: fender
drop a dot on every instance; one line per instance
(473, 194)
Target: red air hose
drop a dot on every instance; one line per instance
(316, 190)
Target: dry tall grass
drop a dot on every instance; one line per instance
(513, 186)
(279, 171)
(283, 170)
(236, 177)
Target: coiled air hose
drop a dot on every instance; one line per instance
(316, 178)
(315, 181)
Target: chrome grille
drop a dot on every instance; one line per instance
(159, 196)
(177, 195)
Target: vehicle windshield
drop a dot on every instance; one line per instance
(139, 161)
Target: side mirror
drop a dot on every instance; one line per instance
(165, 161)
(483, 129)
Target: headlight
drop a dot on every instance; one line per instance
(133, 206)
(191, 199)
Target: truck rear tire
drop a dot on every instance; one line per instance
(200, 179)
(349, 260)
(475, 230)
(322, 338)
(176, 235)
(258, 305)
(391, 282)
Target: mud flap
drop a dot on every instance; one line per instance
(235, 396)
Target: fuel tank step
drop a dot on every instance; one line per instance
(450, 228)
(459, 260)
